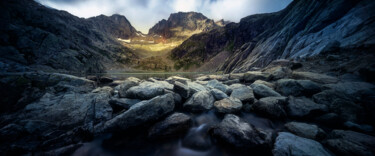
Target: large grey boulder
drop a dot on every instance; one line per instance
(303, 107)
(242, 92)
(341, 104)
(353, 90)
(128, 83)
(252, 76)
(200, 101)
(71, 109)
(261, 91)
(319, 78)
(119, 104)
(174, 124)
(239, 134)
(218, 94)
(280, 73)
(181, 89)
(145, 91)
(195, 87)
(140, 113)
(350, 143)
(173, 79)
(271, 106)
(218, 85)
(228, 105)
(297, 87)
(288, 144)
(305, 130)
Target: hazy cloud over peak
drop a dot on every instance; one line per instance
(143, 14)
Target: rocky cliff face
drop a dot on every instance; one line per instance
(34, 37)
(116, 25)
(183, 24)
(302, 30)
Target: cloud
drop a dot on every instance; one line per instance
(143, 14)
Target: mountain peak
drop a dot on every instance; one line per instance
(183, 24)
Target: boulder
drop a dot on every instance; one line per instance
(350, 143)
(268, 84)
(319, 78)
(200, 101)
(261, 91)
(241, 135)
(140, 113)
(228, 105)
(119, 104)
(354, 90)
(128, 83)
(243, 93)
(145, 91)
(305, 130)
(230, 82)
(218, 94)
(181, 89)
(218, 85)
(297, 87)
(299, 107)
(252, 76)
(289, 144)
(271, 106)
(173, 79)
(235, 76)
(330, 119)
(280, 73)
(195, 87)
(340, 104)
(174, 124)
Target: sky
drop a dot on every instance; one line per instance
(143, 14)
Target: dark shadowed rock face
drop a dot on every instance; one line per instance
(37, 37)
(171, 126)
(235, 132)
(289, 144)
(303, 29)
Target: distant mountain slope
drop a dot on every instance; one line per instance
(183, 24)
(304, 29)
(34, 37)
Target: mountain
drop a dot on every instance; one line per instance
(116, 25)
(302, 30)
(183, 24)
(34, 37)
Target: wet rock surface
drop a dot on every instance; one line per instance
(69, 115)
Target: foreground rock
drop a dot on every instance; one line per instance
(181, 89)
(145, 91)
(128, 83)
(299, 107)
(140, 113)
(218, 94)
(228, 105)
(319, 78)
(255, 75)
(261, 91)
(305, 130)
(242, 92)
(200, 101)
(350, 143)
(297, 87)
(174, 124)
(271, 106)
(218, 85)
(288, 144)
(241, 135)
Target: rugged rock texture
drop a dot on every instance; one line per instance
(182, 24)
(170, 126)
(304, 29)
(289, 144)
(34, 37)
